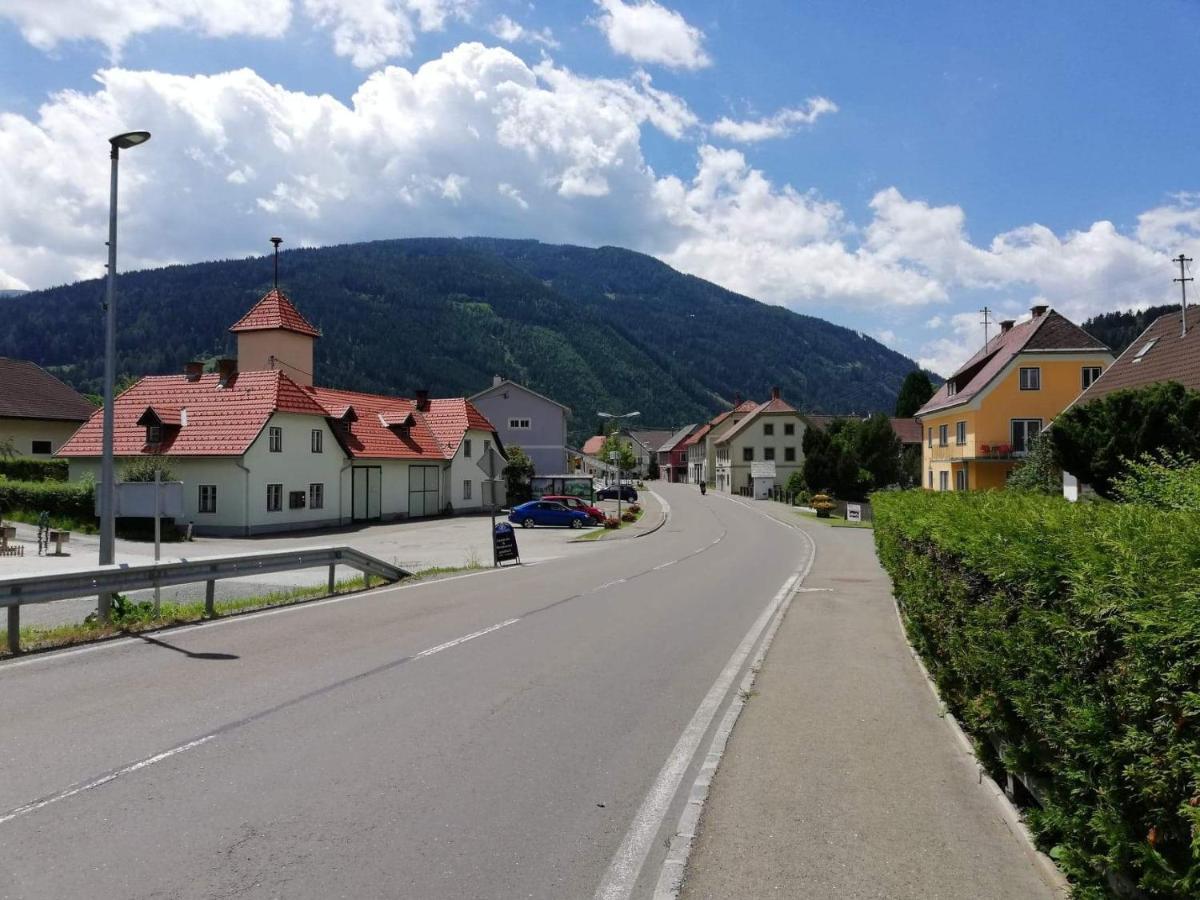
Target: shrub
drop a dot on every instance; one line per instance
(71, 500)
(823, 504)
(635, 507)
(628, 516)
(1038, 472)
(612, 522)
(27, 468)
(143, 468)
(1168, 482)
(1068, 635)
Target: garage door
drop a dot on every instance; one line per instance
(366, 493)
(424, 490)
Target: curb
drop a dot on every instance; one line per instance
(666, 514)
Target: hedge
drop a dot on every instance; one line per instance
(27, 468)
(1069, 634)
(73, 500)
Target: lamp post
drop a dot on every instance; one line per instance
(614, 456)
(107, 481)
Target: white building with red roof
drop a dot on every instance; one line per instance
(762, 449)
(261, 449)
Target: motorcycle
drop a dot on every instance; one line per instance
(703, 489)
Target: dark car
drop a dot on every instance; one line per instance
(628, 494)
(547, 512)
(577, 503)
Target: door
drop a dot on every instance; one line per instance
(424, 490)
(1023, 433)
(366, 493)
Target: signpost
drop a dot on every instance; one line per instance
(492, 464)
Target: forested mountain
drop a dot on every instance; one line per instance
(598, 329)
(1120, 329)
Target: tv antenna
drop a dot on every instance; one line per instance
(1183, 280)
(987, 313)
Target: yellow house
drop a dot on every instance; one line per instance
(979, 424)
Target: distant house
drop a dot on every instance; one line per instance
(672, 456)
(38, 413)
(701, 443)
(524, 417)
(907, 431)
(265, 450)
(1163, 352)
(645, 444)
(762, 450)
(980, 423)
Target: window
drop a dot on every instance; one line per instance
(960, 434)
(747, 454)
(518, 424)
(768, 453)
(769, 429)
(316, 495)
(208, 498)
(789, 454)
(1031, 379)
(789, 428)
(275, 439)
(960, 480)
(153, 434)
(1090, 374)
(943, 481)
(931, 479)
(1145, 349)
(467, 448)
(931, 442)
(467, 489)
(1023, 433)
(295, 499)
(943, 435)
(951, 388)
(318, 441)
(274, 497)
(41, 447)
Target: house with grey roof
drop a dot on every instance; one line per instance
(38, 412)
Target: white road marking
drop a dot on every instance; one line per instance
(623, 870)
(466, 637)
(664, 565)
(112, 776)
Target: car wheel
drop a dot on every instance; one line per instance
(576, 523)
(527, 523)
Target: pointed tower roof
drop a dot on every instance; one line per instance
(273, 311)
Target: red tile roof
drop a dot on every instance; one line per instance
(221, 421)
(774, 405)
(1048, 331)
(275, 310)
(908, 430)
(30, 392)
(593, 445)
(702, 432)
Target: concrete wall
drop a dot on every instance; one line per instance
(23, 432)
(545, 441)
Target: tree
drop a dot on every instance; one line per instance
(652, 470)
(8, 449)
(144, 467)
(518, 475)
(852, 457)
(915, 391)
(1038, 472)
(1094, 441)
(624, 450)
(878, 450)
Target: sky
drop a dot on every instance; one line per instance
(889, 167)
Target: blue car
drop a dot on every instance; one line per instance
(547, 512)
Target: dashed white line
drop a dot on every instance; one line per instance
(664, 565)
(466, 637)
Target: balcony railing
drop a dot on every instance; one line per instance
(965, 452)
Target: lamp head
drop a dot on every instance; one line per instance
(129, 139)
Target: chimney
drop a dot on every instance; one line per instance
(227, 369)
(1006, 325)
(193, 370)
(1039, 310)
(497, 380)
(423, 400)
(775, 392)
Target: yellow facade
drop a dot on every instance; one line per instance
(997, 420)
(36, 437)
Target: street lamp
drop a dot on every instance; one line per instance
(613, 456)
(107, 482)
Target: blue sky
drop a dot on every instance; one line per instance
(890, 167)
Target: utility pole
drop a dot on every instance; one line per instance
(986, 321)
(276, 241)
(1183, 280)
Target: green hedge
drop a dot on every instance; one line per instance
(27, 468)
(1070, 633)
(72, 499)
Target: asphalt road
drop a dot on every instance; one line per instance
(499, 735)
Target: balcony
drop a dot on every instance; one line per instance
(974, 453)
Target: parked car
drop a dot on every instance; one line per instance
(577, 503)
(628, 493)
(547, 512)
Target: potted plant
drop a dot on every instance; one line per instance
(823, 504)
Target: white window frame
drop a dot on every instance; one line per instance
(274, 498)
(1030, 378)
(206, 499)
(154, 434)
(943, 480)
(274, 439)
(943, 435)
(1012, 434)
(316, 495)
(518, 424)
(466, 489)
(960, 434)
(318, 441)
(1088, 376)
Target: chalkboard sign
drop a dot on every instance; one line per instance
(504, 543)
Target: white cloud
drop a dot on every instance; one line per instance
(47, 23)
(1172, 228)
(513, 32)
(370, 32)
(782, 124)
(648, 32)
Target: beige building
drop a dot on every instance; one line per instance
(762, 449)
(702, 447)
(38, 413)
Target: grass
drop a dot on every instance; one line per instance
(140, 616)
(57, 522)
(832, 521)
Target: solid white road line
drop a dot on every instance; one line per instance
(623, 870)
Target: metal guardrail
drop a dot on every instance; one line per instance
(46, 587)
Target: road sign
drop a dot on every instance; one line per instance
(492, 464)
(853, 512)
(504, 544)
(135, 499)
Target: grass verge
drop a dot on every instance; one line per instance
(141, 618)
(600, 533)
(832, 521)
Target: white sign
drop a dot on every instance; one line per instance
(853, 512)
(135, 499)
(492, 463)
(764, 469)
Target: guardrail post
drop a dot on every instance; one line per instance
(14, 629)
(332, 579)
(210, 590)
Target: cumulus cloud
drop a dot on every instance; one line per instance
(782, 124)
(370, 32)
(513, 33)
(648, 32)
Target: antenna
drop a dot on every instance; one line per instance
(986, 321)
(1183, 261)
(276, 241)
